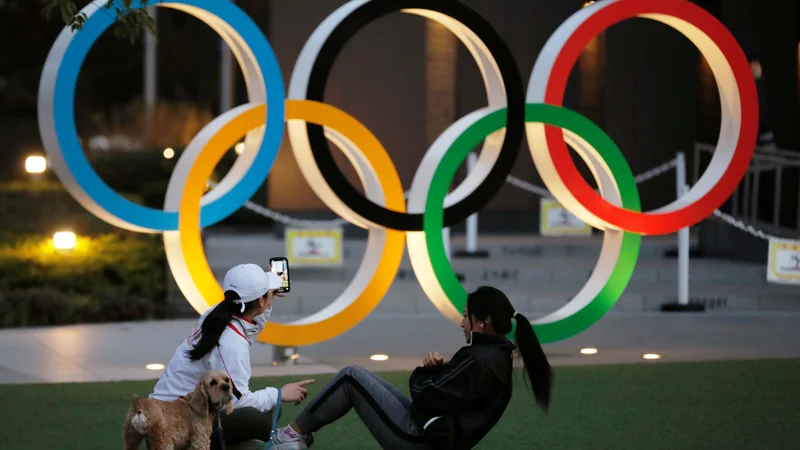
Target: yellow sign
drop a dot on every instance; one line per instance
(555, 220)
(314, 247)
(784, 261)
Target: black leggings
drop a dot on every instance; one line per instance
(242, 424)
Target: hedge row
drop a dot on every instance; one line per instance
(112, 274)
(117, 276)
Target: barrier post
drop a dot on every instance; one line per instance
(471, 250)
(682, 304)
(683, 262)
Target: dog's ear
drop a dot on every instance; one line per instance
(229, 407)
(198, 399)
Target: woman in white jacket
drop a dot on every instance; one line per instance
(221, 341)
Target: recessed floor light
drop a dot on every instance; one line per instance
(651, 356)
(155, 366)
(379, 357)
(588, 351)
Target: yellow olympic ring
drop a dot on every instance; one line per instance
(302, 332)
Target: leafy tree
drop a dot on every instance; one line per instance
(131, 21)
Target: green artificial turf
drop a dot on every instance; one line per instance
(719, 405)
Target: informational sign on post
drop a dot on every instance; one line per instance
(318, 247)
(783, 265)
(555, 220)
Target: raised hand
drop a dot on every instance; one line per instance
(295, 392)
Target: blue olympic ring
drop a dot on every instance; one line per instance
(98, 190)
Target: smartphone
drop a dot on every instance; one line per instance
(281, 267)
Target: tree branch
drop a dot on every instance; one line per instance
(131, 21)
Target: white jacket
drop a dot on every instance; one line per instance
(232, 355)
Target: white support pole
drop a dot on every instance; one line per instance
(446, 239)
(683, 235)
(150, 79)
(226, 82)
(472, 221)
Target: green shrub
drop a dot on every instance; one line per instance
(37, 306)
(119, 276)
(43, 209)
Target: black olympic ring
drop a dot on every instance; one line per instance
(515, 97)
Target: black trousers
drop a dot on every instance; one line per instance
(242, 424)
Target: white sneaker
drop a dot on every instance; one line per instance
(288, 439)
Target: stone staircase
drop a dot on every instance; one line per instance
(540, 274)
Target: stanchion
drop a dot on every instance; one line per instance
(472, 224)
(683, 303)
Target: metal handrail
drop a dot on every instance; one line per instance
(764, 160)
(791, 154)
(762, 154)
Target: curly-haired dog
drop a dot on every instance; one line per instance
(183, 424)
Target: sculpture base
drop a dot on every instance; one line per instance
(678, 307)
(482, 254)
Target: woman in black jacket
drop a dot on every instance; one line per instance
(453, 404)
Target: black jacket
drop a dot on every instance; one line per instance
(469, 393)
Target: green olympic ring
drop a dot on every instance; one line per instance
(610, 161)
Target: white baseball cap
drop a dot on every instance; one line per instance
(250, 282)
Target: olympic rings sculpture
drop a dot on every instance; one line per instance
(510, 114)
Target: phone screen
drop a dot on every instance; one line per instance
(281, 267)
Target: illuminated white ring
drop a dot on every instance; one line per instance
(383, 254)
(737, 96)
(76, 45)
(609, 253)
(298, 85)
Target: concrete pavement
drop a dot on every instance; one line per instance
(120, 351)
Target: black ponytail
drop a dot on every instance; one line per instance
(537, 368)
(491, 302)
(213, 326)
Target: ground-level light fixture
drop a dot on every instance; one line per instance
(64, 240)
(35, 164)
(379, 357)
(154, 366)
(588, 351)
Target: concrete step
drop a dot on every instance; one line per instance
(524, 259)
(229, 249)
(406, 297)
(540, 274)
(551, 271)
